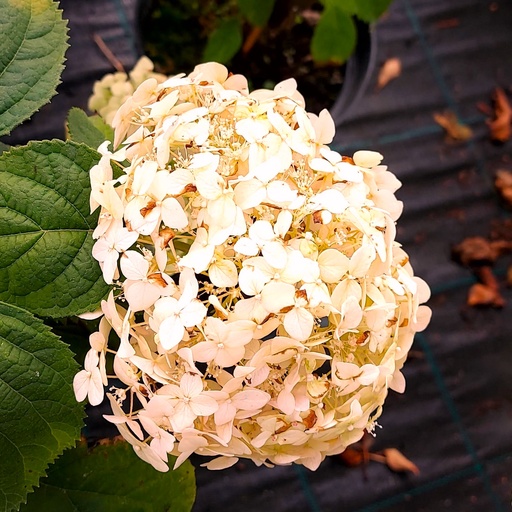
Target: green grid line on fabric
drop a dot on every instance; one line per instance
(126, 26)
(442, 84)
(406, 135)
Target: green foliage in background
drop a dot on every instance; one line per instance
(226, 24)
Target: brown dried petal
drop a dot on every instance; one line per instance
(398, 462)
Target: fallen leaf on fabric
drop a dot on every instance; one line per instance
(500, 126)
(484, 295)
(474, 251)
(390, 70)
(398, 462)
(503, 184)
(453, 127)
(448, 23)
(352, 457)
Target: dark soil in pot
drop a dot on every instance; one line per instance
(174, 35)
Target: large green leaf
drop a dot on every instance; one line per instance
(334, 38)
(111, 477)
(32, 46)
(88, 130)
(39, 416)
(224, 41)
(46, 264)
(257, 12)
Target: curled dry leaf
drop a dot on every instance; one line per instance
(390, 70)
(352, 457)
(397, 461)
(484, 295)
(500, 126)
(503, 184)
(509, 276)
(453, 127)
(474, 251)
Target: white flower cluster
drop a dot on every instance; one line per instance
(114, 89)
(262, 305)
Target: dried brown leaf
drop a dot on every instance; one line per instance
(503, 184)
(500, 126)
(448, 23)
(352, 457)
(398, 462)
(509, 276)
(453, 127)
(474, 251)
(390, 70)
(484, 295)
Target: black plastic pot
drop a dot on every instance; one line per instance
(358, 72)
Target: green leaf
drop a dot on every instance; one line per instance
(366, 10)
(4, 147)
(257, 12)
(334, 38)
(88, 130)
(111, 477)
(46, 263)
(32, 46)
(39, 416)
(223, 42)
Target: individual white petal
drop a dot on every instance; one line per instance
(205, 351)
(229, 356)
(222, 210)
(204, 162)
(283, 223)
(81, 385)
(178, 181)
(333, 265)
(249, 194)
(321, 165)
(203, 405)
(367, 159)
(286, 402)
(251, 280)
(251, 130)
(193, 313)
(261, 231)
(280, 193)
(250, 399)
(173, 214)
(299, 323)
(143, 177)
(141, 295)
(275, 254)
(221, 463)
(171, 332)
(369, 373)
(277, 296)
(332, 200)
(246, 246)
(95, 392)
(134, 266)
(324, 126)
(223, 273)
(209, 184)
(191, 385)
(344, 289)
(361, 260)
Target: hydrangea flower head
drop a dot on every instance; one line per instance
(262, 304)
